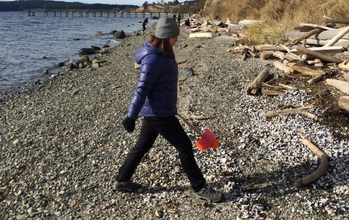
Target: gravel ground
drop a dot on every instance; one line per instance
(62, 144)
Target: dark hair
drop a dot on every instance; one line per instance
(163, 45)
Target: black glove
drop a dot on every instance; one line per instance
(129, 124)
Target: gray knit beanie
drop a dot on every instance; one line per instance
(166, 28)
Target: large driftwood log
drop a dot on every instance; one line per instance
(323, 50)
(335, 20)
(321, 56)
(283, 48)
(343, 102)
(305, 27)
(304, 36)
(321, 42)
(305, 70)
(255, 86)
(339, 84)
(319, 172)
(337, 37)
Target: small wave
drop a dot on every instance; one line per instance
(114, 42)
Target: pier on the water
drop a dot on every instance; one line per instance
(94, 13)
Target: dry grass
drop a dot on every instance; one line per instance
(264, 33)
(279, 15)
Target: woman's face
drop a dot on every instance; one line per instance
(173, 40)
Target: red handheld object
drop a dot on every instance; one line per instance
(207, 138)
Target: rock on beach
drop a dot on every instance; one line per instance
(62, 144)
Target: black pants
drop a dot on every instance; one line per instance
(172, 131)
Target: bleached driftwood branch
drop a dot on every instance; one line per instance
(300, 111)
(319, 172)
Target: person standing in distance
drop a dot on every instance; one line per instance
(179, 17)
(144, 23)
(155, 98)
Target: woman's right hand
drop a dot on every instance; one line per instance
(129, 124)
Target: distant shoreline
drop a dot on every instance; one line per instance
(29, 5)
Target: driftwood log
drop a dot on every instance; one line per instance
(322, 50)
(305, 70)
(266, 55)
(304, 36)
(305, 27)
(283, 67)
(256, 85)
(270, 48)
(319, 172)
(343, 102)
(337, 37)
(315, 54)
(271, 92)
(274, 90)
(335, 20)
(301, 111)
(316, 63)
(339, 84)
(344, 65)
(315, 79)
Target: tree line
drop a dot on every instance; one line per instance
(21, 5)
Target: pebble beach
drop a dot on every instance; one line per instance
(63, 142)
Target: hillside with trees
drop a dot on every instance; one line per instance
(55, 5)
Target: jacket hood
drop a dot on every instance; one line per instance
(144, 51)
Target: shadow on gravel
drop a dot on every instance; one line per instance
(280, 183)
(166, 189)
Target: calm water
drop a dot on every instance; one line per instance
(26, 40)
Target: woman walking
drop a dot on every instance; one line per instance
(155, 98)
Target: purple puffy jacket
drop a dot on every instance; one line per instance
(156, 91)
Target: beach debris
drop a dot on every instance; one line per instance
(339, 84)
(319, 172)
(254, 88)
(159, 213)
(343, 102)
(192, 35)
(301, 111)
